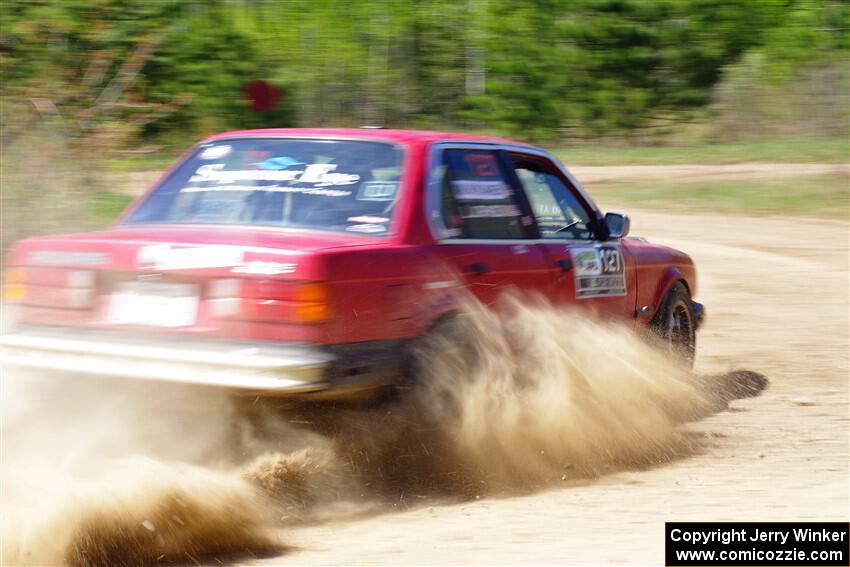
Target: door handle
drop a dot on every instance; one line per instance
(565, 264)
(478, 268)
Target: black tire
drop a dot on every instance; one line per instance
(452, 335)
(452, 340)
(674, 324)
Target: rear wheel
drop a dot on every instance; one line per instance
(675, 324)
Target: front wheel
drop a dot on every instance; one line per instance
(675, 324)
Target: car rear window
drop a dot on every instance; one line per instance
(331, 185)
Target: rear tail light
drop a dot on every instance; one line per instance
(225, 289)
(225, 297)
(270, 300)
(14, 288)
(50, 287)
(312, 312)
(312, 303)
(311, 293)
(59, 297)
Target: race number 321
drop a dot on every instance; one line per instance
(612, 262)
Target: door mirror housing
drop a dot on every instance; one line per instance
(617, 225)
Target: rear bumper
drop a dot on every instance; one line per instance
(241, 367)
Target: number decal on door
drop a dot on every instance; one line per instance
(611, 260)
(599, 271)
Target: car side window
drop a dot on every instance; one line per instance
(558, 211)
(476, 198)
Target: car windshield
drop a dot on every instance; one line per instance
(332, 185)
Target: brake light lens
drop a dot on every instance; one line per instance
(225, 289)
(311, 293)
(57, 288)
(14, 288)
(312, 312)
(270, 300)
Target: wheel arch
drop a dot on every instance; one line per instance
(441, 319)
(669, 278)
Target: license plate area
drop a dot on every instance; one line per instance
(154, 304)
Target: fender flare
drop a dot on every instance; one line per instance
(671, 275)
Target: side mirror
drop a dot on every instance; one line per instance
(617, 225)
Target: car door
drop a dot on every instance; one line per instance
(587, 271)
(482, 225)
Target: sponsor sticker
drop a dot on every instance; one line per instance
(317, 174)
(60, 258)
(278, 163)
(368, 228)
(478, 190)
(368, 219)
(215, 152)
(164, 257)
(599, 270)
(264, 268)
(269, 189)
(490, 211)
(482, 165)
(377, 191)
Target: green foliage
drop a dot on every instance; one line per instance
(204, 62)
(86, 82)
(106, 207)
(795, 82)
(537, 69)
(593, 67)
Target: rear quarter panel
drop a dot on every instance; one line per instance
(388, 292)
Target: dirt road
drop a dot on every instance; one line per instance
(776, 292)
(702, 172)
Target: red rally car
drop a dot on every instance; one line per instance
(302, 261)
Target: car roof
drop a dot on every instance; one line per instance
(391, 135)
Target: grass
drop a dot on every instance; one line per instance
(105, 207)
(778, 150)
(140, 162)
(818, 195)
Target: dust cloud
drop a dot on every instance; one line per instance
(110, 472)
(526, 397)
(557, 392)
(99, 472)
